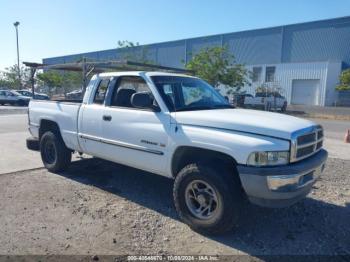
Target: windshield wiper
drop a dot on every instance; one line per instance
(192, 108)
(224, 106)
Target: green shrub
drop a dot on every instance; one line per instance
(344, 80)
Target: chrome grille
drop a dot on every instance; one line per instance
(306, 142)
(305, 139)
(305, 151)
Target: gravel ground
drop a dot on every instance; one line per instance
(107, 209)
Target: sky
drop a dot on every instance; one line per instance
(60, 27)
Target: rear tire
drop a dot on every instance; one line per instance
(219, 187)
(54, 153)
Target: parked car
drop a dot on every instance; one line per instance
(39, 96)
(13, 98)
(238, 99)
(179, 127)
(268, 101)
(76, 94)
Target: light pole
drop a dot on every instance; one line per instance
(16, 24)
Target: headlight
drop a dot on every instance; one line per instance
(268, 158)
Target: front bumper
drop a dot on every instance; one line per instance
(283, 185)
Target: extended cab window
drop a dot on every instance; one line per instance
(101, 92)
(127, 86)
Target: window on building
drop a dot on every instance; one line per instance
(101, 92)
(270, 73)
(257, 74)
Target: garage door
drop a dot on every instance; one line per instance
(305, 92)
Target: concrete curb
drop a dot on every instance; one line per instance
(21, 171)
(13, 111)
(323, 116)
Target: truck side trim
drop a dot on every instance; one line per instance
(121, 144)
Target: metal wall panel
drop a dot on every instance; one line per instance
(108, 54)
(326, 40)
(334, 70)
(318, 41)
(343, 98)
(313, 50)
(73, 58)
(256, 47)
(194, 46)
(171, 54)
(54, 60)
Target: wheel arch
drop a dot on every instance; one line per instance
(48, 125)
(185, 155)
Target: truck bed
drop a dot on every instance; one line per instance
(63, 112)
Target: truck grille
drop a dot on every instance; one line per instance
(307, 143)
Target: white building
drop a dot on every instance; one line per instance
(301, 83)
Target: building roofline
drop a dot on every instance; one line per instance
(249, 30)
(214, 35)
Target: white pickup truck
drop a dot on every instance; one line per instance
(267, 101)
(178, 126)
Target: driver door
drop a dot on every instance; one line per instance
(11, 98)
(133, 136)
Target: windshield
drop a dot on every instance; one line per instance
(25, 93)
(15, 93)
(188, 93)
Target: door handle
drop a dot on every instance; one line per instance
(107, 118)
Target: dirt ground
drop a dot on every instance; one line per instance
(107, 209)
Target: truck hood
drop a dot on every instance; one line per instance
(244, 120)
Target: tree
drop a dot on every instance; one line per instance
(344, 79)
(57, 79)
(72, 80)
(50, 78)
(134, 52)
(9, 77)
(4, 83)
(217, 66)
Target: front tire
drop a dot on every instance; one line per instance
(207, 199)
(54, 153)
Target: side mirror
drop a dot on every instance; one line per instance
(143, 100)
